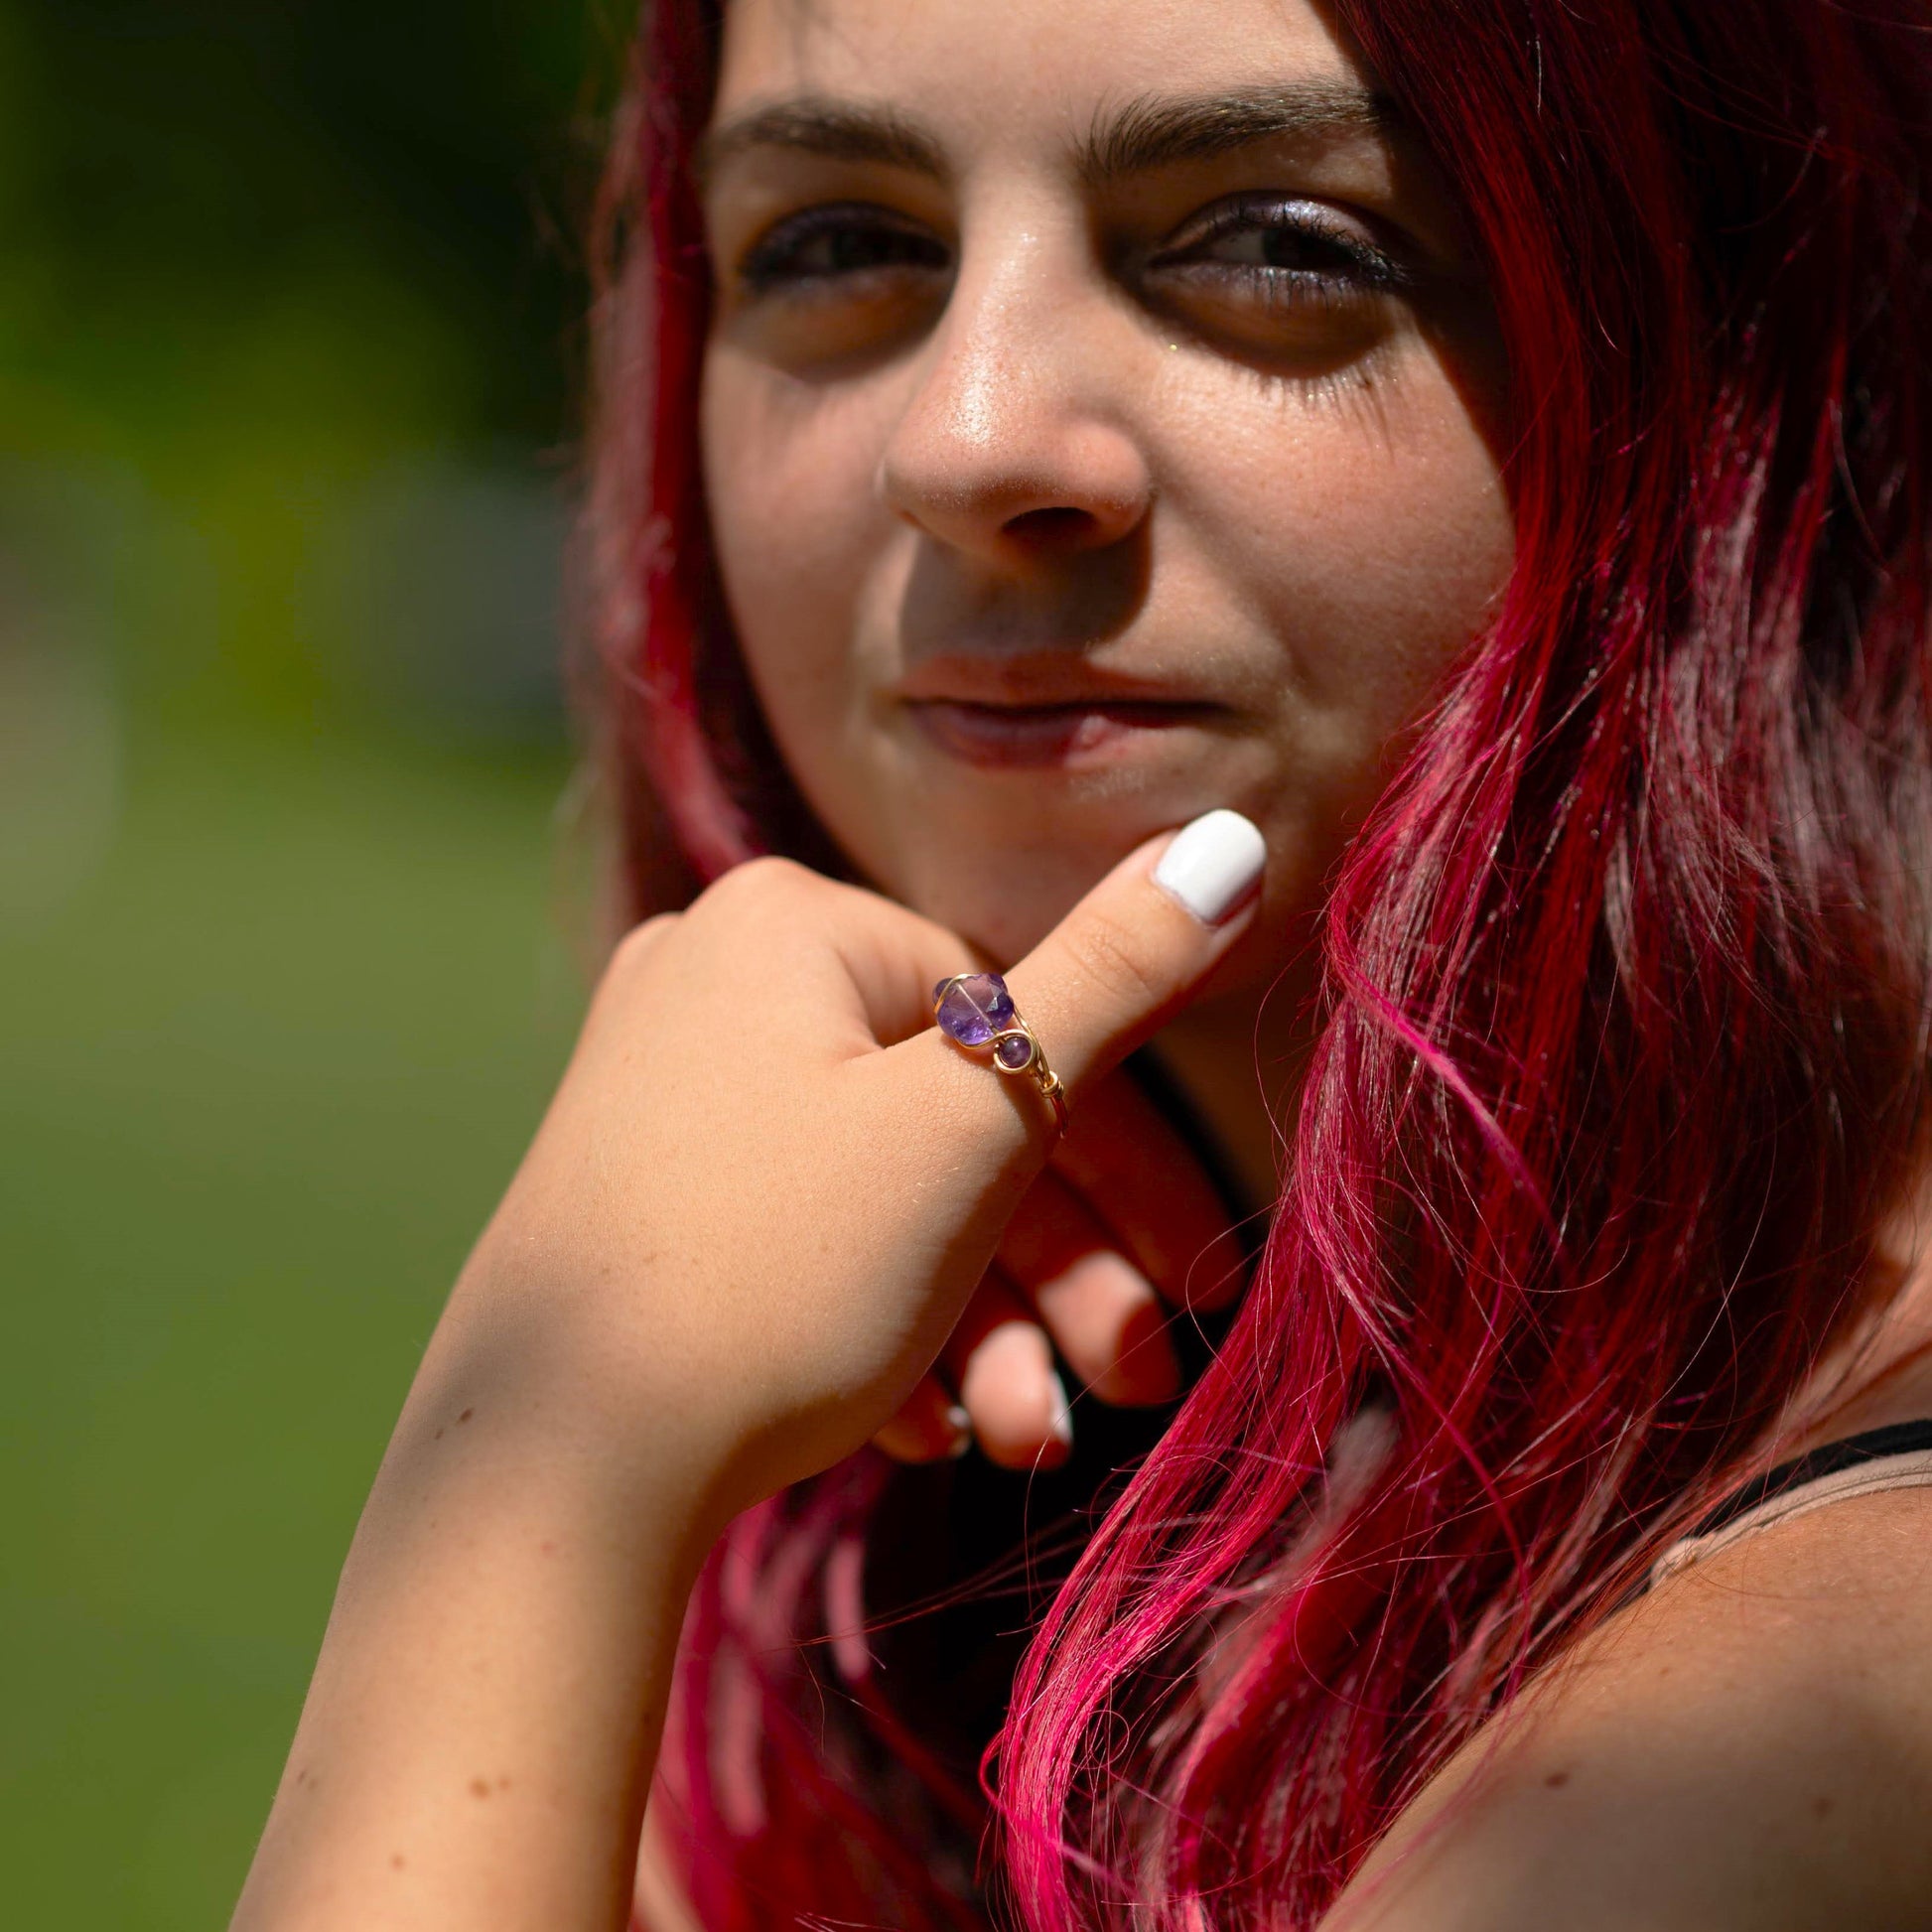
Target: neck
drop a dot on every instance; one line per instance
(1881, 1371)
(1240, 1059)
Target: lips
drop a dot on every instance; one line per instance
(1042, 681)
(1045, 709)
(1030, 737)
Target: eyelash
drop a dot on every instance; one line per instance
(1345, 265)
(779, 260)
(776, 260)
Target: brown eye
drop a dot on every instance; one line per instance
(1281, 252)
(1290, 283)
(1286, 246)
(821, 247)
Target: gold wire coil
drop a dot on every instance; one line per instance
(1033, 1067)
(1034, 1064)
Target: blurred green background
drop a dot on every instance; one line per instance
(290, 296)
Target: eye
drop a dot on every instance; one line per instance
(1279, 254)
(846, 244)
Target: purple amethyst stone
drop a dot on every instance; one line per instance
(973, 1008)
(1014, 1054)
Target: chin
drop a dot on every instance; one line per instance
(1004, 911)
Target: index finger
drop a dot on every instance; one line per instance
(1140, 1178)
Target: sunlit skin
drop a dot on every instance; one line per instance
(1051, 515)
(1084, 454)
(1018, 419)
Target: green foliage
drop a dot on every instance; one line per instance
(288, 315)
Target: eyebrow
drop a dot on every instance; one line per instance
(1153, 131)
(1162, 130)
(834, 130)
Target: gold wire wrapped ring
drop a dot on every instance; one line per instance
(975, 1011)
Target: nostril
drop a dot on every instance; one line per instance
(1060, 524)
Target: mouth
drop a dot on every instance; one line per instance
(1069, 732)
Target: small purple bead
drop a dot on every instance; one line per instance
(972, 1010)
(1013, 1054)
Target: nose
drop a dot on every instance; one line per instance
(1014, 443)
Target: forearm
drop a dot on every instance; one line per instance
(735, 1246)
(478, 1741)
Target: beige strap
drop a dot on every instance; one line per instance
(1910, 1470)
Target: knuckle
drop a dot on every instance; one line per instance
(765, 880)
(771, 873)
(637, 945)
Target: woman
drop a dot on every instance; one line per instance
(1467, 467)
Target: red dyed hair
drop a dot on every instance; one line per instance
(1577, 1233)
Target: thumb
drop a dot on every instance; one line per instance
(1126, 958)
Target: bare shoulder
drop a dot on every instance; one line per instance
(1748, 1747)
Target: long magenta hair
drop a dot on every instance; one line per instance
(1563, 1241)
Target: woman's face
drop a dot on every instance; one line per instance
(1100, 425)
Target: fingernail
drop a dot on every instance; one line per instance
(961, 1424)
(1061, 1425)
(1212, 864)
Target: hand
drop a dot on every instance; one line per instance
(1122, 1228)
(769, 1186)
(754, 1213)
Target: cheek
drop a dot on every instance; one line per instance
(1337, 550)
(798, 527)
(1419, 543)
(1369, 532)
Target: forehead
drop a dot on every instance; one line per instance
(1022, 70)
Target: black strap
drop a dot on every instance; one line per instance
(1895, 1439)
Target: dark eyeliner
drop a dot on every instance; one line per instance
(1359, 260)
(779, 257)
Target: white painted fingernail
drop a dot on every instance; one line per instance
(1212, 864)
(1062, 1424)
(961, 1424)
